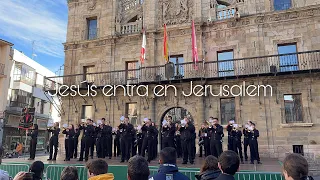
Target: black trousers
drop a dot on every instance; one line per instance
(93, 143)
(147, 144)
(167, 142)
(245, 148)
(53, 145)
(101, 147)
(134, 148)
(75, 148)
(206, 147)
(125, 148)
(82, 148)
(187, 151)
(215, 148)
(254, 151)
(154, 148)
(140, 141)
(108, 146)
(230, 143)
(179, 147)
(33, 148)
(89, 145)
(116, 147)
(238, 148)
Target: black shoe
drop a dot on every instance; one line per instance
(200, 156)
(31, 159)
(80, 160)
(109, 157)
(246, 160)
(91, 157)
(259, 162)
(242, 162)
(54, 159)
(252, 162)
(192, 162)
(184, 163)
(122, 161)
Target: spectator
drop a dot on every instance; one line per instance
(4, 175)
(295, 167)
(24, 176)
(210, 169)
(69, 173)
(37, 168)
(168, 166)
(138, 168)
(228, 164)
(98, 170)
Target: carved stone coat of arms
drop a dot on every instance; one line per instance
(175, 11)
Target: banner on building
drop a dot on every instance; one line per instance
(27, 118)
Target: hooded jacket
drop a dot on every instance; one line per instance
(208, 175)
(4, 175)
(108, 176)
(168, 171)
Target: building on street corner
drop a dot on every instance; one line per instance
(274, 43)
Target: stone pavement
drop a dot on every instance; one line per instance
(268, 164)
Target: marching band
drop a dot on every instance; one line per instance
(128, 140)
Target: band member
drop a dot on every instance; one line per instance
(246, 134)
(75, 141)
(155, 142)
(236, 137)
(177, 139)
(216, 138)
(101, 136)
(33, 142)
(126, 130)
(108, 139)
(54, 141)
(94, 140)
(253, 143)
(168, 131)
(116, 142)
(148, 139)
(134, 142)
(68, 143)
(230, 137)
(187, 131)
(203, 134)
(139, 140)
(87, 139)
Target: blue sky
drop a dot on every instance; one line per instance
(41, 21)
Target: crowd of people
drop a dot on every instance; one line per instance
(128, 140)
(295, 167)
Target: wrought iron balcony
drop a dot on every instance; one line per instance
(264, 65)
(2, 67)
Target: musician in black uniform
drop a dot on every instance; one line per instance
(236, 137)
(75, 141)
(177, 140)
(216, 138)
(148, 139)
(54, 141)
(203, 134)
(33, 142)
(155, 141)
(139, 140)
(253, 143)
(68, 143)
(87, 139)
(126, 135)
(230, 137)
(91, 150)
(134, 143)
(101, 138)
(108, 139)
(187, 132)
(168, 131)
(246, 140)
(116, 142)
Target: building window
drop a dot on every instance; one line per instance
(288, 62)
(24, 73)
(132, 70)
(87, 70)
(20, 98)
(298, 149)
(92, 28)
(227, 110)
(87, 112)
(178, 61)
(131, 112)
(42, 106)
(225, 12)
(293, 108)
(279, 5)
(225, 63)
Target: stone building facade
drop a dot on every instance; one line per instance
(103, 47)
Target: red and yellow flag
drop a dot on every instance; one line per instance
(165, 44)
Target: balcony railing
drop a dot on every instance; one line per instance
(2, 66)
(263, 65)
(226, 13)
(131, 28)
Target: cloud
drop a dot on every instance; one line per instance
(41, 21)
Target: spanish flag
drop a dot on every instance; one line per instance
(165, 44)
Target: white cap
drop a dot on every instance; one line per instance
(99, 122)
(145, 119)
(236, 125)
(94, 124)
(231, 122)
(122, 118)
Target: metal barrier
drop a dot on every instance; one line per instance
(13, 169)
(53, 172)
(259, 176)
